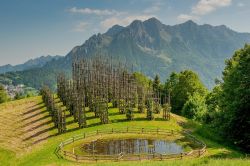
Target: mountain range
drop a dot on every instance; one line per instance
(30, 64)
(152, 47)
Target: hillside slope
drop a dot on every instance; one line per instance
(27, 136)
(152, 48)
(24, 124)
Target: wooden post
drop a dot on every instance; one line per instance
(76, 157)
(64, 152)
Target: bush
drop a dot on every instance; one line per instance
(3, 95)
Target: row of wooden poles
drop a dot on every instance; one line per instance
(98, 82)
(55, 110)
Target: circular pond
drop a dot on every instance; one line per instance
(131, 146)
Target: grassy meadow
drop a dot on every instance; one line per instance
(28, 136)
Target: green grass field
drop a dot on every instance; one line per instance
(27, 136)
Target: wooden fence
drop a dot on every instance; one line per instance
(156, 156)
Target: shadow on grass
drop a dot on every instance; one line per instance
(33, 110)
(32, 116)
(34, 121)
(161, 119)
(114, 113)
(40, 125)
(138, 112)
(38, 133)
(141, 119)
(91, 117)
(44, 138)
(118, 120)
(71, 122)
(70, 130)
(94, 124)
(36, 104)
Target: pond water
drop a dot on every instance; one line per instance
(131, 146)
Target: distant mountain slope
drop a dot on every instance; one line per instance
(32, 63)
(152, 48)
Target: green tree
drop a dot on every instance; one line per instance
(19, 95)
(156, 83)
(212, 102)
(171, 82)
(235, 98)
(183, 85)
(3, 95)
(195, 107)
(169, 85)
(141, 79)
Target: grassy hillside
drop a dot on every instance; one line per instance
(27, 136)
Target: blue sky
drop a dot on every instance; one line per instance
(32, 28)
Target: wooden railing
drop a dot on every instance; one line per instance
(71, 156)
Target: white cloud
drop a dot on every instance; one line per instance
(80, 27)
(94, 11)
(204, 7)
(109, 22)
(154, 8)
(185, 17)
(207, 6)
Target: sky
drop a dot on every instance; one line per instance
(33, 28)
